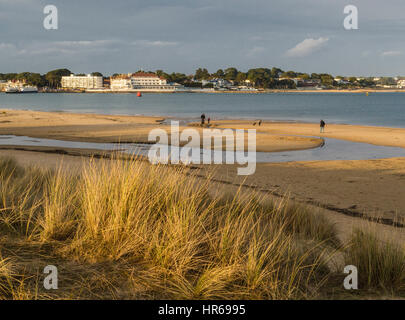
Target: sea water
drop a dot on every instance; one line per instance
(377, 109)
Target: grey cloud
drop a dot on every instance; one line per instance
(181, 35)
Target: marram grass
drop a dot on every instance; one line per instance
(126, 229)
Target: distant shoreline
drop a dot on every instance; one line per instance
(231, 91)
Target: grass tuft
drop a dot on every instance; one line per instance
(381, 264)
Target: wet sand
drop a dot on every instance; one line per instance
(393, 137)
(105, 128)
(272, 136)
(373, 188)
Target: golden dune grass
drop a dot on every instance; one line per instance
(131, 230)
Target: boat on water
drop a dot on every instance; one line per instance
(28, 89)
(25, 89)
(12, 90)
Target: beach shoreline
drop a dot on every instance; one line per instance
(361, 187)
(272, 136)
(257, 91)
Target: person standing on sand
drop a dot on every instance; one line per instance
(322, 125)
(202, 119)
(209, 120)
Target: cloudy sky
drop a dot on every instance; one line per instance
(181, 35)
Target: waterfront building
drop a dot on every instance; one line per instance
(120, 82)
(12, 84)
(82, 82)
(342, 81)
(401, 84)
(151, 81)
(141, 81)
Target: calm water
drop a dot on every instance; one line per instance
(332, 150)
(380, 109)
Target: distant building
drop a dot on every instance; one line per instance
(218, 83)
(341, 81)
(304, 83)
(82, 82)
(141, 81)
(106, 82)
(120, 82)
(401, 84)
(11, 83)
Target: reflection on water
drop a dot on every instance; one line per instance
(333, 149)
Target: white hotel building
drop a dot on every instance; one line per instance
(82, 82)
(140, 81)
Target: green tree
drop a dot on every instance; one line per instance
(289, 74)
(304, 76)
(54, 77)
(326, 79)
(202, 74)
(30, 78)
(219, 74)
(276, 72)
(260, 77)
(231, 74)
(177, 77)
(315, 76)
(286, 84)
(8, 76)
(241, 77)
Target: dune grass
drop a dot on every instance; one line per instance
(126, 229)
(381, 264)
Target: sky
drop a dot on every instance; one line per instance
(124, 36)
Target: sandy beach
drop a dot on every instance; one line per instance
(368, 188)
(394, 137)
(109, 128)
(272, 136)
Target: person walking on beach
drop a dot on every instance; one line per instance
(209, 120)
(322, 125)
(202, 119)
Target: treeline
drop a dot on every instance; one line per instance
(260, 77)
(266, 78)
(52, 79)
(274, 78)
